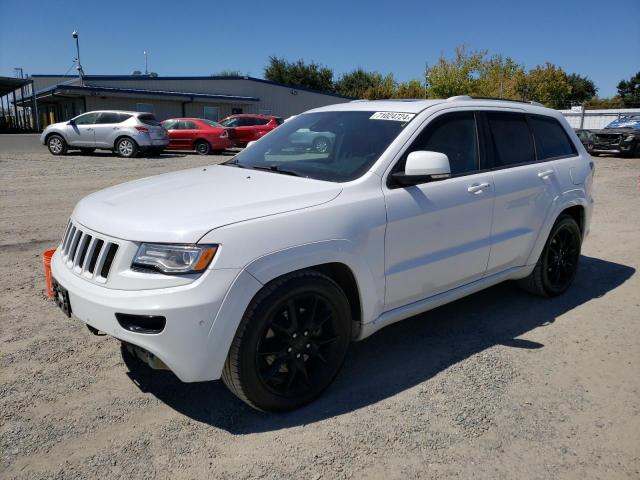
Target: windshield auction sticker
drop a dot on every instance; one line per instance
(393, 116)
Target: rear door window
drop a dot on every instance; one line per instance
(551, 139)
(149, 119)
(109, 117)
(511, 142)
(261, 121)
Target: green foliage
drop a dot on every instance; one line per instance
(603, 103)
(358, 83)
(299, 74)
(582, 89)
(547, 84)
(629, 91)
(458, 76)
(467, 73)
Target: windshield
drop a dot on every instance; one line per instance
(230, 122)
(332, 146)
(211, 123)
(632, 121)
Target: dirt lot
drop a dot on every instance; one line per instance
(498, 385)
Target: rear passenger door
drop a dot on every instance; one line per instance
(106, 128)
(183, 134)
(525, 188)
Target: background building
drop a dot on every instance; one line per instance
(60, 98)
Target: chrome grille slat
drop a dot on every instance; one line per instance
(81, 249)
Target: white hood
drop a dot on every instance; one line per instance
(181, 207)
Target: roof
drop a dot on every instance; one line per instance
(62, 89)
(10, 84)
(418, 105)
(90, 78)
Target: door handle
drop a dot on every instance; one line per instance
(545, 174)
(89, 129)
(477, 187)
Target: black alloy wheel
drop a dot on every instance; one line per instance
(291, 342)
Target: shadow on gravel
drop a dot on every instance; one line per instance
(398, 357)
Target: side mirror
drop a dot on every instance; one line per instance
(250, 143)
(71, 122)
(422, 167)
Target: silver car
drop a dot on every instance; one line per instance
(126, 133)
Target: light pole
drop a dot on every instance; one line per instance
(146, 70)
(79, 67)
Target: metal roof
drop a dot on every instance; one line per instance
(78, 90)
(9, 84)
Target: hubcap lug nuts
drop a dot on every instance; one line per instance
(297, 355)
(289, 349)
(308, 345)
(294, 335)
(306, 333)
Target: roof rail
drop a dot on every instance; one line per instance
(459, 97)
(469, 97)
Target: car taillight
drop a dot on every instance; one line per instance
(224, 134)
(142, 129)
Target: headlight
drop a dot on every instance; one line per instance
(174, 258)
(629, 138)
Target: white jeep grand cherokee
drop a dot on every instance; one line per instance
(263, 269)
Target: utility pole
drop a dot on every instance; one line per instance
(79, 65)
(146, 69)
(426, 77)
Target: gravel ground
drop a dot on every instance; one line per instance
(497, 385)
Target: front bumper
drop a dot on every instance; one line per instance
(198, 331)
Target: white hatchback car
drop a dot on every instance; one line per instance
(263, 269)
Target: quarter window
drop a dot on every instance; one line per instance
(454, 135)
(551, 139)
(511, 140)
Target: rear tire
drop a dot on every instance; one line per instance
(291, 342)
(126, 147)
(87, 151)
(556, 268)
(202, 147)
(57, 145)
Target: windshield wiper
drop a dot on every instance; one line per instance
(277, 169)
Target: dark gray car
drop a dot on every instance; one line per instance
(125, 133)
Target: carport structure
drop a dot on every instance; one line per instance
(18, 108)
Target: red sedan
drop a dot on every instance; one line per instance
(250, 127)
(198, 134)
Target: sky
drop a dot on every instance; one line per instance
(202, 38)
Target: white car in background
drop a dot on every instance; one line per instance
(262, 270)
(125, 133)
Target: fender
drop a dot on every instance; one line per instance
(570, 198)
(370, 286)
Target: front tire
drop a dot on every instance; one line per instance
(57, 145)
(126, 148)
(202, 147)
(291, 342)
(558, 263)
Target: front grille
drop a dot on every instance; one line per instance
(608, 139)
(86, 254)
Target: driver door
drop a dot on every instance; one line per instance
(438, 233)
(81, 131)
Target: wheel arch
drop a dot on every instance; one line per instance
(50, 134)
(571, 203)
(120, 137)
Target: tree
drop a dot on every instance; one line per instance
(410, 89)
(582, 89)
(498, 77)
(299, 74)
(356, 83)
(629, 91)
(547, 84)
(458, 76)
